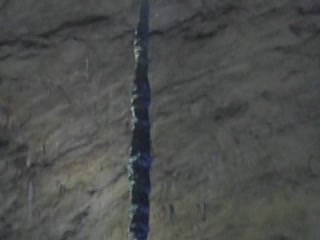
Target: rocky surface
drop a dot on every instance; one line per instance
(235, 114)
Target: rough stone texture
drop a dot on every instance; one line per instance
(236, 131)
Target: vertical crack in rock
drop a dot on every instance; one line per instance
(140, 153)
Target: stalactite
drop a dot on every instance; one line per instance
(140, 160)
(30, 200)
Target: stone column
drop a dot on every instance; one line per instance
(140, 153)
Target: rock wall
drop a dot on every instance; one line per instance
(235, 114)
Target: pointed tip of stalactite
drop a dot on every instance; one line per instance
(143, 22)
(141, 39)
(144, 9)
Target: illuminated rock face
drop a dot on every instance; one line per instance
(140, 153)
(235, 119)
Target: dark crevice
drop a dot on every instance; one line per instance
(313, 10)
(299, 29)
(76, 222)
(69, 150)
(26, 42)
(207, 13)
(195, 36)
(79, 218)
(294, 49)
(188, 28)
(87, 21)
(45, 40)
(122, 34)
(176, 26)
(118, 175)
(230, 111)
(270, 12)
(173, 85)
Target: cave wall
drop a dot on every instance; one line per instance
(235, 115)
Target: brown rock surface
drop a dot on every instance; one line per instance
(236, 108)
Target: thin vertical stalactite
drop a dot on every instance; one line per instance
(140, 160)
(30, 201)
